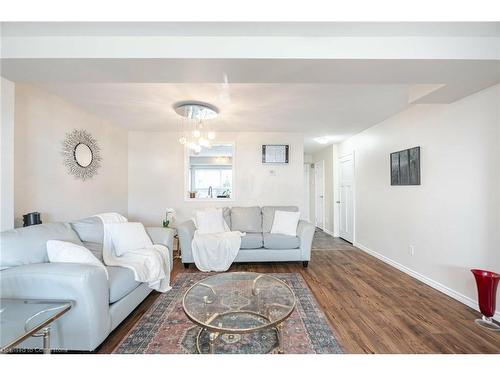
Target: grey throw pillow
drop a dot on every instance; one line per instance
(91, 232)
(246, 219)
(226, 214)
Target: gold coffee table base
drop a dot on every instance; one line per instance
(227, 306)
(214, 336)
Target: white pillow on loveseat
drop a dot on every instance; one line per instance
(68, 252)
(129, 236)
(210, 221)
(285, 222)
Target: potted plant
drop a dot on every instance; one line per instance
(169, 217)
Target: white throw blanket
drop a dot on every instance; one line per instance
(150, 265)
(215, 251)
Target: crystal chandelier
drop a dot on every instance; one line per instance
(197, 132)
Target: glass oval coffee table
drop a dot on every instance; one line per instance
(239, 312)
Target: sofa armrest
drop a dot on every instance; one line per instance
(305, 231)
(87, 324)
(186, 233)
(165, 237)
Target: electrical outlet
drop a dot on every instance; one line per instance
(411, 250)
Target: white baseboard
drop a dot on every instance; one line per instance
(426, 280)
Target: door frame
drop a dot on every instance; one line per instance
(307, 192)
(322, 162)
(352, 156)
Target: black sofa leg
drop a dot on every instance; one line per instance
(186, 265)
(305, 263)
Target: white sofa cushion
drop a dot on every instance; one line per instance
(121, 283)
(285, 222)
(268, 215)
(210, 221)
(251, 241)
(274, 241)
(68, 252)
(129, 236)
(28, 245)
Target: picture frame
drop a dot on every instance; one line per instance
(405, 167)
(275, 154)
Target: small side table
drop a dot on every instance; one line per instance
(176, 251)
(24, 318)
(177, 246)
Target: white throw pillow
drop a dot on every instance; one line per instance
(210, 221)
(68, 252)
(128, 236)
(285, 222)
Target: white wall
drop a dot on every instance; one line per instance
(7, 101)
(156, 174)
(329, 155)
(41, 180)
(452, 218)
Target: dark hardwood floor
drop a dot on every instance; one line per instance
(373, 307)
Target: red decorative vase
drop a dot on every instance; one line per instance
(487, 283)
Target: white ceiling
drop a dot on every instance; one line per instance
(314, 109)
(318, 98)
(460, 76)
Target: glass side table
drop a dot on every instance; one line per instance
(23, 318)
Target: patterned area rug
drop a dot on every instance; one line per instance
(166, 329)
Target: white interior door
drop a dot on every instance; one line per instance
(346, 192)
(319, 192)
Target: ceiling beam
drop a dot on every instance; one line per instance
(242, 47)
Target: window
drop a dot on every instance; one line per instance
(219, 179)
(210, 173)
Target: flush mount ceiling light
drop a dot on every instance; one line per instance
(323, 140)
(196, 124)
(196, 110)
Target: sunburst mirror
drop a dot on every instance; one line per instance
(82, 155)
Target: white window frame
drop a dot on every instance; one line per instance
(187, 182)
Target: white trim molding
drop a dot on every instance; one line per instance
(426, 280)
